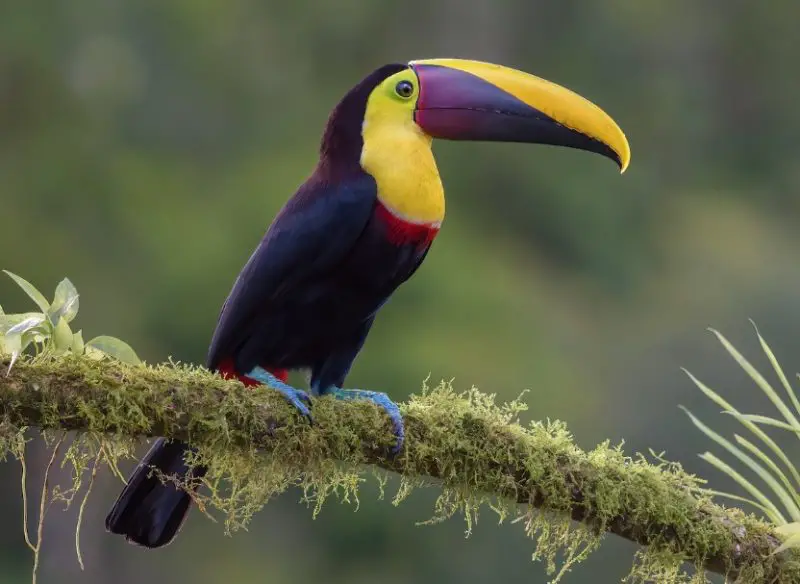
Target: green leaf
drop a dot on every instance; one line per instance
(767, 421)
(77, 343)
(31, 291)
(788, 529)
(94, 354)
(65, 302)
(7, 345)
(26, 325)
(62, 336)
(9, 320)
(790, 490)
(11, 345)
(792, 542)
(758, 432)
(115, 348)
(17, 343)
(778, 370)
(742, 500)
(758, 378)
(772, 511)
(759, 470)
(35, 335)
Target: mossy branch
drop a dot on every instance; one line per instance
(476, 451)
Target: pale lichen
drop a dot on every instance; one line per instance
(476, 452)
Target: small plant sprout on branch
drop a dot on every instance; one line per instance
(761, 455)
(48, 331)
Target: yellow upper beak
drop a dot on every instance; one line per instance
(463, 99)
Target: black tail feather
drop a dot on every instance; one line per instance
(150, 512)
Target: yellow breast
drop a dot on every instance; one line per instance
(399, 158)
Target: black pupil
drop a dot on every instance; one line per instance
(405, 89)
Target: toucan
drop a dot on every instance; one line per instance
(356, 229)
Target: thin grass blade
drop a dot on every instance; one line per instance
(766, 421)
(758, 432)
(31, 290)
(778, 370)
(794, 510)
(759, 470)
(769, 508)
(762, 383)
(740, 499)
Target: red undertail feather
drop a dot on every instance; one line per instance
(401, 232)
(228, 371)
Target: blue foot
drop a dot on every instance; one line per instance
(382, 401)
(297, 397)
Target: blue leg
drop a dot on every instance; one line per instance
(297, 397)
(382, 401)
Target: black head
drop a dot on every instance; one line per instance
(342, 141)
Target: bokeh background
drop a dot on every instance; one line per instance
(145, 146)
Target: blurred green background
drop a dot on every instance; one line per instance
(145, 146)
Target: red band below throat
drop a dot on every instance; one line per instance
(401, 232)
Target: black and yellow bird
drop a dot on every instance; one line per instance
(359, 226)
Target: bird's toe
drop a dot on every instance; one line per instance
(385, 403)
(297, 397)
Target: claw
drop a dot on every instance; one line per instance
(297, 397)
(382, 401)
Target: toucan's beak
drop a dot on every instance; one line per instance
(470, 100)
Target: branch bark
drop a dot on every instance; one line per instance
(463, 440)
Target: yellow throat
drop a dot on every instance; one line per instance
(398, 156)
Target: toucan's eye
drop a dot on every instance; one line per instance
(404, 89)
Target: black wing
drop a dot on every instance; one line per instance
(314, 231)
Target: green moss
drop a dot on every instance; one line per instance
(475, 451)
